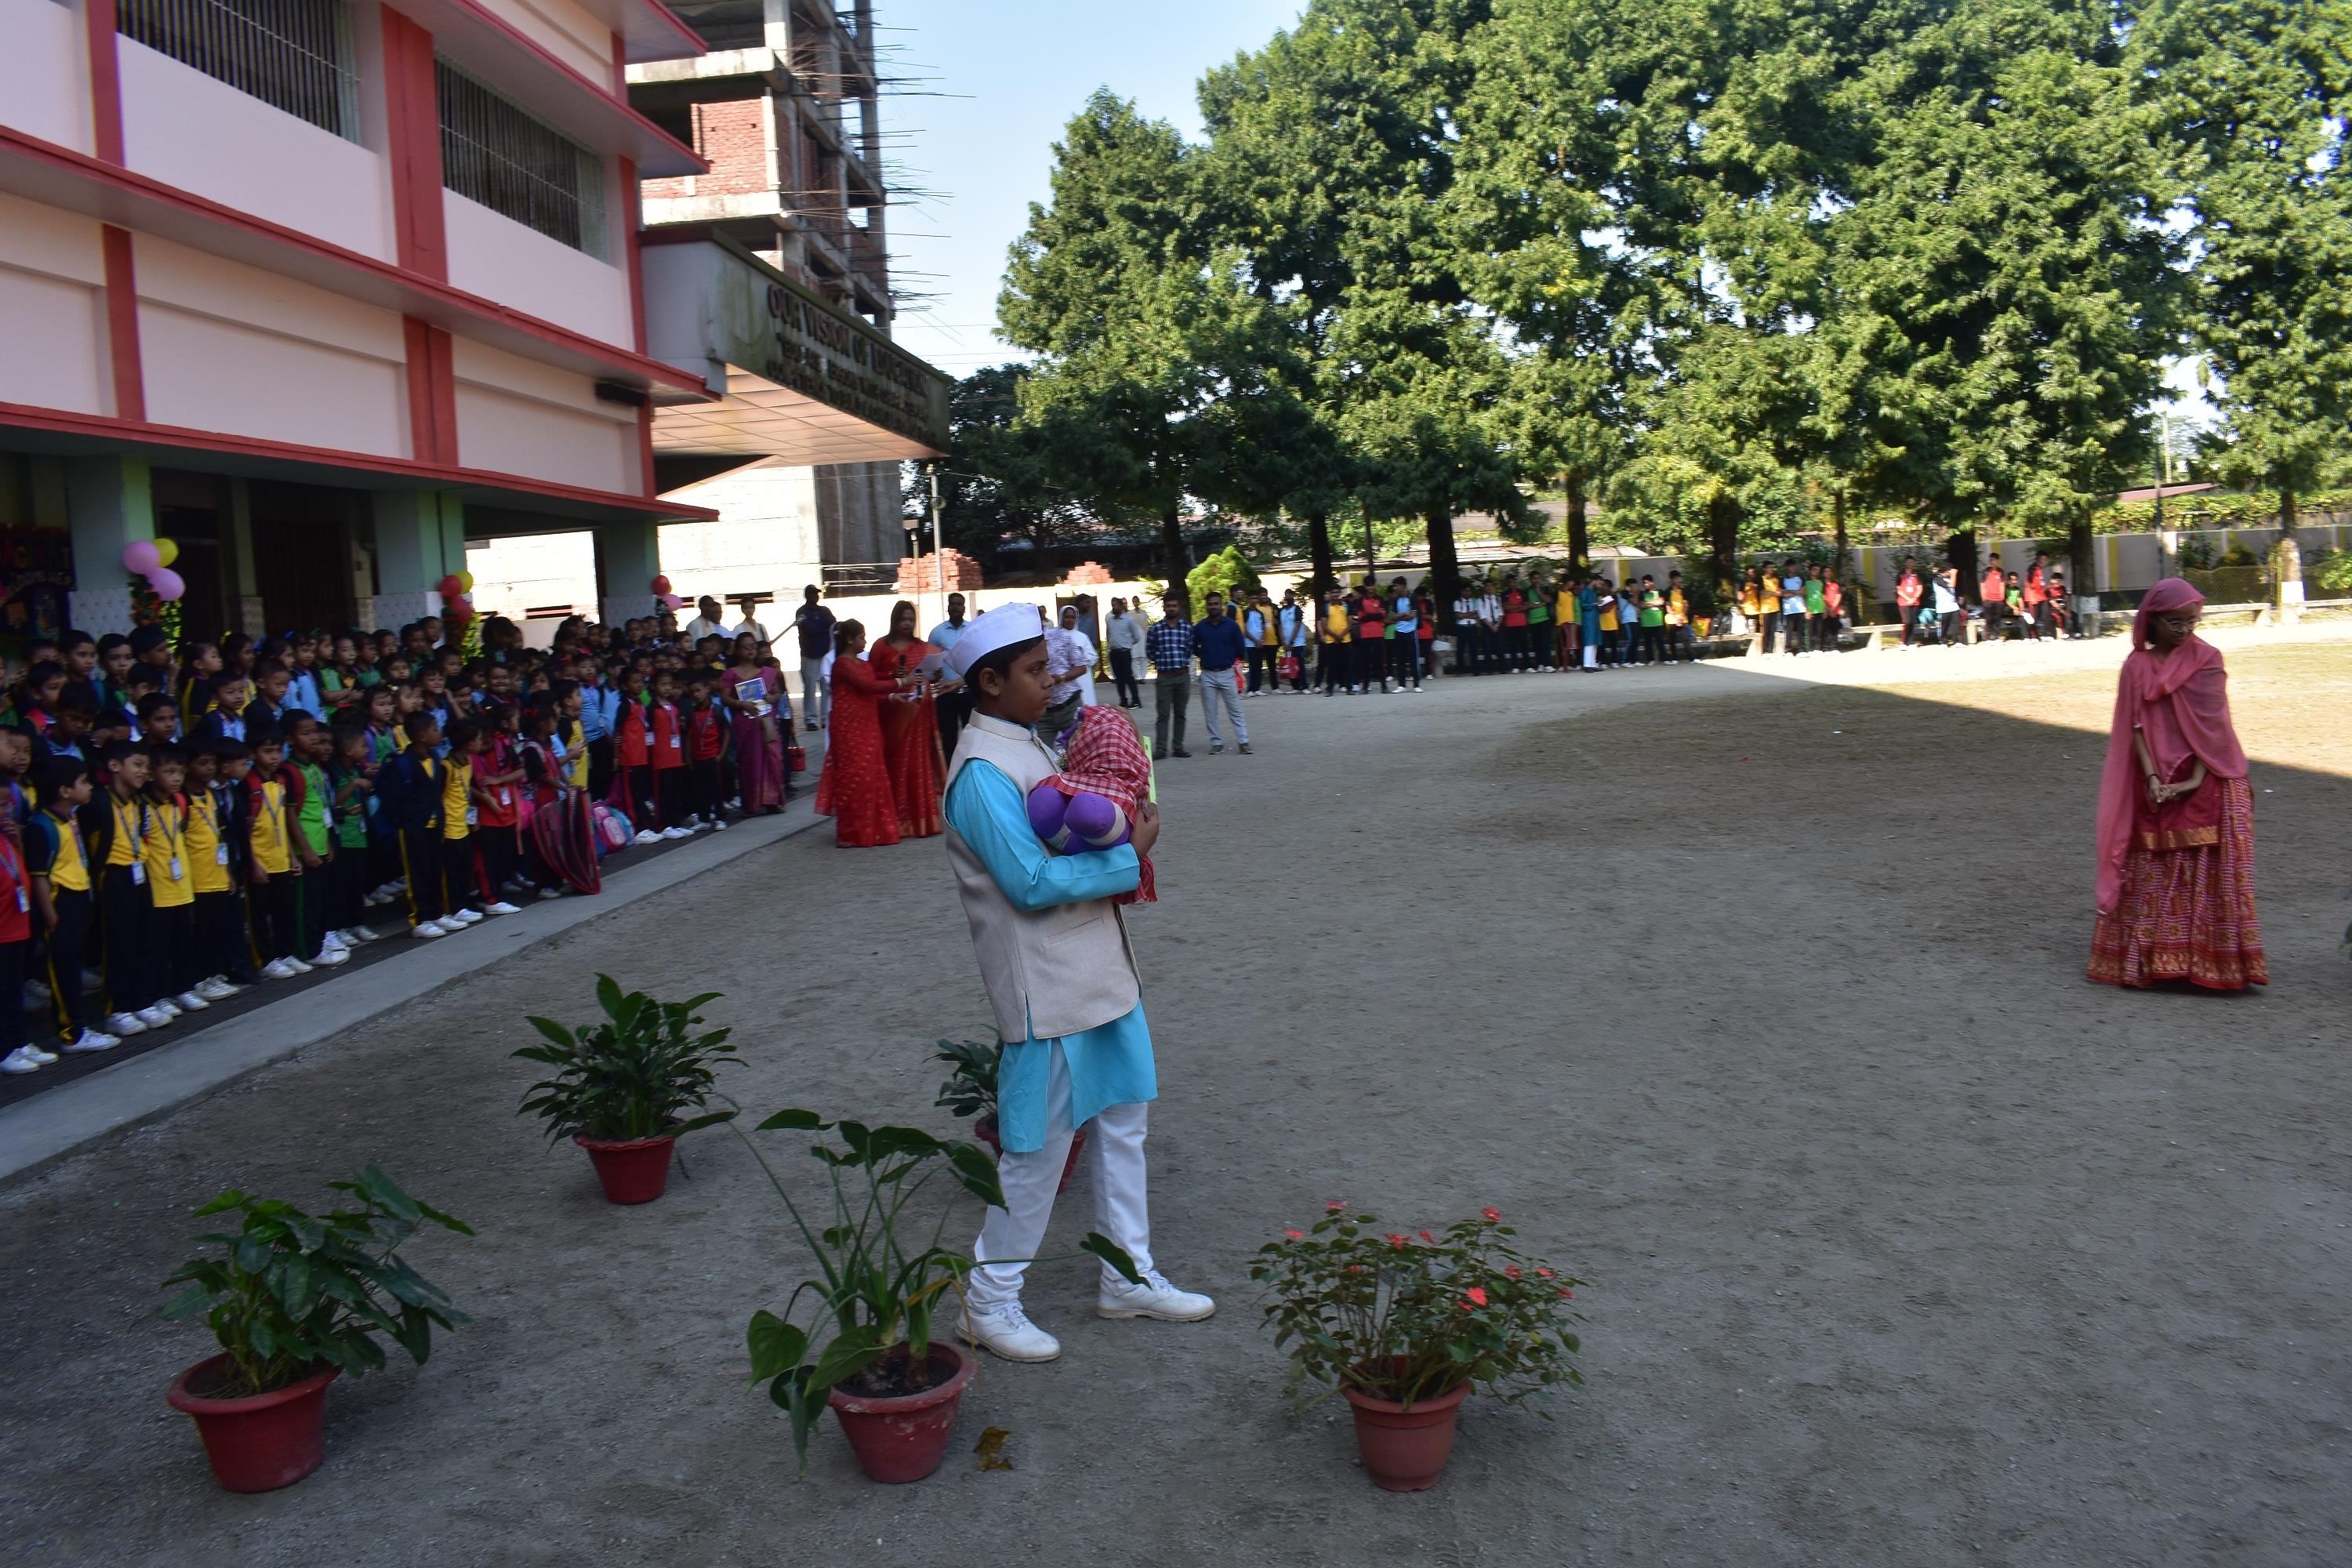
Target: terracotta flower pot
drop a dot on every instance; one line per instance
(260, 1442)
(634, 1170)
(1405, 1450)
(985, 1130)
(904, 1439)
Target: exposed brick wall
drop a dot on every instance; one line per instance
(733, 136)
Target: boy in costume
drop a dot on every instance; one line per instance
(1054, 953)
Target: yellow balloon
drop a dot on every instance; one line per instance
(166, 551)
(466, 580)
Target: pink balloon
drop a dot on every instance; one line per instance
(142, 557)
(671, 602)
(166, 582)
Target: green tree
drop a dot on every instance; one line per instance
(1002, 479)
(1228, 572)
(2253, 97)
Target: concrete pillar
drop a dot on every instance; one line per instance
(244, 577)
(628, 558)
(109, 504)
(420, 538)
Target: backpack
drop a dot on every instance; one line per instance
(611, 831)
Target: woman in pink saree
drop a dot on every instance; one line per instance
(752, 691)
(2176, 883)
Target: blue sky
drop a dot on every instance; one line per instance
(1023, 69)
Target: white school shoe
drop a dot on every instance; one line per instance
(41, 1053)
(676, 833)
(551, 893)
(332, 942)
(647, 836)
(425, 931)
(467, 916)
(154, 1017)
(165, 1005)
(21, 1059)
(189, 1002)
(502, 908)
(275, 969)
(216, 989)
(328, 957)
(297, 965)
(93, 1040)
(718, 824)
(1006, 1331)
(122, 1026)
(1155, 1297)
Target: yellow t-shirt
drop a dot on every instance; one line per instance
(1563, 605)
(69, 872)
(269, 830)
(1607, 611)
(206, 874)
(457, 797)
(1334, 623)
(130, 822)
(166, 855)
(575, 756)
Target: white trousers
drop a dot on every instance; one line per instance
(814, 690)
(1592, 655)
(1010, 1236)
(1219, 688)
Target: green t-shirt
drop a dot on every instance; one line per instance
(1654, 607)
(313, 815)
(1540, 607)
(1814, 605)
(351, 819)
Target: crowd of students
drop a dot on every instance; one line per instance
(180, 823)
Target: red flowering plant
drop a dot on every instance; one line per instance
(1408, 1316)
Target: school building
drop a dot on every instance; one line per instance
(322, 290)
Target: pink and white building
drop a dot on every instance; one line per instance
(321, 289)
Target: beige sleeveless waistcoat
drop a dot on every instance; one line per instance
(1049, 971)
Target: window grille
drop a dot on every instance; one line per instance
(496, 153)
(294, 55)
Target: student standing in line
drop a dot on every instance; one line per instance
(1833, 605)
(275, 871)
(1371, 620)
(219, 771)
(1124, 637)
(1404, 629)
(16, 947)
(1992, 591)
(1653, 614)
(461, 892)
(1791, 582)
(1538, 623)
(307, 755)
(349, 798)
(668, 748)
(1566, 628)
(498, 775)
(1466, 630)
(1817, 611)
(633, 757)
(1515, 624)
(115, 826)
(1605, 601)
(410, 790)
(1678, 627)
(1910, 591)
(171, 885)
(57, 864)
(1424, 620)
(1951, 616)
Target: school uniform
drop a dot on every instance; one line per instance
(115, 830)
(495, 816)
(171, 893)
(705, 745)
(15, 942)
(633, 771)
(54, 849)
(409, 795)
(271, 905)
(215, 837)
(669, 744)
(461, 882)
(348, 872)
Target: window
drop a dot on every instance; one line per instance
(496, 153)
(294, 55)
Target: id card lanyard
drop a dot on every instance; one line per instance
(138, 866)
(13, 864)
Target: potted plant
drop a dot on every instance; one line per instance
(623, 1088)
(1404, 1325)
(970, 1091)
(867, 1347)
(296, 1299)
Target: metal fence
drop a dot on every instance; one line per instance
(496, 153)
(294, 55)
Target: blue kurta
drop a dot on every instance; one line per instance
(1109, 1064)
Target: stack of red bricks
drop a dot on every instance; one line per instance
(951, 570)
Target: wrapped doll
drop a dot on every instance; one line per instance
(1090, 804)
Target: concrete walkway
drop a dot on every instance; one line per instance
(193, 1063)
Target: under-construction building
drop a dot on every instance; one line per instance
(784, 108)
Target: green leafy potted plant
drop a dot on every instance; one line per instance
(295, 1300)
(970, 1091)
(624, 1089)
(1404, 1325)
(867, 1347)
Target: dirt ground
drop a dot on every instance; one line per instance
(1759, 1005)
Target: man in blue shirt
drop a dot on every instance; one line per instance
(1170, 644)
(1222, 645)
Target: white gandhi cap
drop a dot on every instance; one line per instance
(1001, 627)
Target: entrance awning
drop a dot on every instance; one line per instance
(797, 380)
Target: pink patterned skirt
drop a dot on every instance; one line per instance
(2187, 914)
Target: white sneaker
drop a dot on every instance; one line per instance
(21, 1059)
(215, 989)
(41, 1053)
(275, 969)
(647, 837)
(718, 824)
(328, 957)
(332, 942)
(153, 1018)
(297, 965)
(93, 1040)
(169, 1008)
(1007, 1332)
(427, 931)
(551, 893)
(676, 833)
(189, 1002)
(465, 917)
(502, 908)
(1155, 1297)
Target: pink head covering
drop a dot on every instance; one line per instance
(2180, 701)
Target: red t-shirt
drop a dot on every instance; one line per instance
(702, 735)
(1994, 588)
(494, 806)
(1515, 608)
(1372, 619)
(1907, 591)
(669, 740)
(631, 747)
(16, 900)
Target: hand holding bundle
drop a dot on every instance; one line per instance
(1091, 802)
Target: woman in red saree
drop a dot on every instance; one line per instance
(854, 789)
(2176, 886)
(750, 690)
(910, 728)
